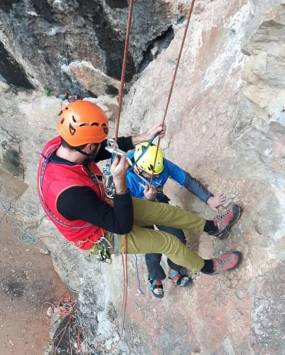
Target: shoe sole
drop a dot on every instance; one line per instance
(156, 295)
(240, 259)
(232, 223)
(189, 283)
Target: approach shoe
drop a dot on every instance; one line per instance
(179, 279)
(156, 288)
(226, 262)
(225, 221)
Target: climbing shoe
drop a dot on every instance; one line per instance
(225, 221)
(226, 262)
(156, 288)
(179, 279)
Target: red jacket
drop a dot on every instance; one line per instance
(54, 178)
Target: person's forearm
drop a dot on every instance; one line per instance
(123, 208)
(120, 186)
(140, 138)
(150, 134)
(199, 190)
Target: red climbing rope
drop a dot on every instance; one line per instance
(120, 104)
(174, 75)
(118, 116)
(125, 272)
(124, 65)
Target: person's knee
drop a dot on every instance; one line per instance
(172, 244)
(152, 257)
(178, 233)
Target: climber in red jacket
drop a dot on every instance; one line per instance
(72, 194)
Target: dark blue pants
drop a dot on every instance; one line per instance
(154, 268)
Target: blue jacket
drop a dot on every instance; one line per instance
(136, 184)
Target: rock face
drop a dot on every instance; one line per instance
(49, 38)
(226, 126)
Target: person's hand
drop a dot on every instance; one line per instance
(216, 201)
(153, 131)
(119, 168)
(150, 192)
(149, 134)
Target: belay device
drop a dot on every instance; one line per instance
(113, 148)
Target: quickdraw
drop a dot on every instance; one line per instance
(113, 148)
(102, 250)
(108, 181)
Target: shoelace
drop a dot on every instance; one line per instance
(221, 261)
(219, 219)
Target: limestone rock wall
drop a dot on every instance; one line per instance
(226, 127)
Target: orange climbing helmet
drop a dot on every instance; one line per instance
(82, 122)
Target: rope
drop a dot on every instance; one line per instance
(138, 275)
(124, 65)
(120, 104)
(174, 76)
(125, 272)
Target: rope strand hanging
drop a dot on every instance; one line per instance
(118, 117)
(190, 11)
(124, 66)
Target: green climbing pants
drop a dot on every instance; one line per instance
(144, 240)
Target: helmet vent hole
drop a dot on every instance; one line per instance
(73, 119)
(83, 124)
(60, 113)
(94, 124)
(72, 130)
(61, 122)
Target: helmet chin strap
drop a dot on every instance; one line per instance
(82, 152)
(89, 156)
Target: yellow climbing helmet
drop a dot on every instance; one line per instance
(144, 158)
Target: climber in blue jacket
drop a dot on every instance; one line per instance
(146, 181)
